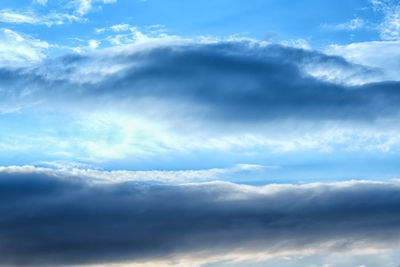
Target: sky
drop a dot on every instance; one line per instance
(200, 133)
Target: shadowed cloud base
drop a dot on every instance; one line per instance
(52, 220)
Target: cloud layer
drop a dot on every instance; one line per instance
(51, 220)
(180, 96)
(226, 82)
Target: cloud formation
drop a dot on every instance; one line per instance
(30, 17)
(20, 49)
(119, 176)
(233, 81)
(389, 28)
(144, 99)
(64, 221)
(383, 55)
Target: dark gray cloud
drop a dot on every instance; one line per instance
(55, 221)
(234, 81)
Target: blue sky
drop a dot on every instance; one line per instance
(316, 23)
(319, 23)
(247, 102)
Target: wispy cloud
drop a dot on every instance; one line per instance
(352, 25)
(125, 34)
(29, 17)
(9, 16)
(390, 26)
(121, 35)
(73, 11)
(120, 27)
(82, 7)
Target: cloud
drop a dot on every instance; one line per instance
(143, 99)
(10, 16)
(384, 55)
(66, 221)
(73, 11)
(232, 81)
(82, 7)
(29, 17)
(389, 28)
(352, 25)
(118, 176)
(120, 27)
(93, 44)
(299, 43)
(98, 136)
(17, 48)
(125, 34)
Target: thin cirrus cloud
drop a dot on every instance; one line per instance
(149, 223)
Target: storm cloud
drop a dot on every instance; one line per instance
(224, 82)
(52, 220)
